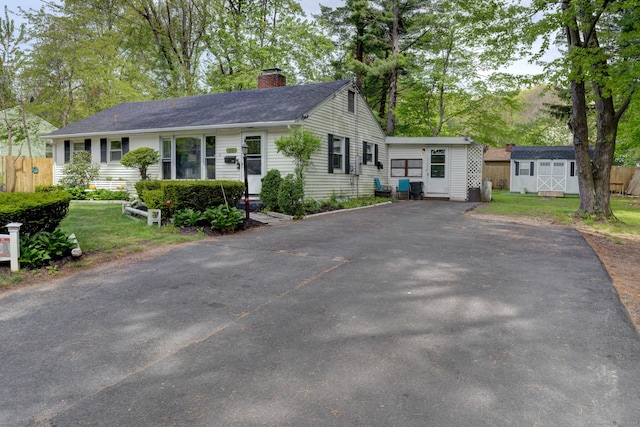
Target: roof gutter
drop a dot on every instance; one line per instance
(176, 129)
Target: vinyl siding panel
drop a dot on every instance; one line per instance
(332, 117)
(458, 173)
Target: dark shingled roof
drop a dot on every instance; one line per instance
(280, 104)
(520, 152)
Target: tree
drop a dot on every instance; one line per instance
(141, 158)
(79, 63)
(80, 171)
(244, 37)
(601, 67)
(300, 145)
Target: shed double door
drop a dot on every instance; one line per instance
(552, 175)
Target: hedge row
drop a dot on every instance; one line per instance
(36, 211)
(196, 195)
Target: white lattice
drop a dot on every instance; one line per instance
(474, 166)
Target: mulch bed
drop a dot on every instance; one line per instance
(246, 225)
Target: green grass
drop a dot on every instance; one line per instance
(562, 210)
(101, 226)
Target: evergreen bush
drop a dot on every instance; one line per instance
(270, 188)
(290, 196)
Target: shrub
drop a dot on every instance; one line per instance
(270, 188)
(290, 196)
(36, 211)
(102, 194)
(42, 247)
(143, 186)
(77, 193)
(80, 171)
(223, 217)
(186, 218)
(141, 158)
(48, 188)
(198, 195)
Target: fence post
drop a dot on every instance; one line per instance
(14, 244)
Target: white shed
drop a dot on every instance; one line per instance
(448, 167)
(540, 169)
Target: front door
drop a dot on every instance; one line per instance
(437, 171)
(255, 161)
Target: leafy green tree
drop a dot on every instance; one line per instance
(599, 62)
(300, 145)
(80, 171)
(141, 158)
(244, 37)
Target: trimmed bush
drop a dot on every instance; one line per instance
(143, 186)
(270, 188)
(36, 211)
(290, 197)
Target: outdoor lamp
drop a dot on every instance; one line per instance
(245, 150)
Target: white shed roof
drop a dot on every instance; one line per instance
(426, 140)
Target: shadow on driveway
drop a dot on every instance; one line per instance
(404, 314)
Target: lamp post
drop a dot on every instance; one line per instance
(245, 150)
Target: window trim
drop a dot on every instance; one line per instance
(405, 168)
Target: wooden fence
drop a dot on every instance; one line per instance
(22, 174)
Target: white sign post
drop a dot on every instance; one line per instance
(10, 245)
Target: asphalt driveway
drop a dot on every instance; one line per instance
(408, 314)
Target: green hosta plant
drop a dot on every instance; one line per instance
(186, 218)
(223, 217)
(42, 247)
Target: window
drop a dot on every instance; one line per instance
(368, 152)
(438, 158)
(48, 150)
(572, 170)
(115, 150)
(72, 147)
(524, 169)
(210, 156)
(338, 154)
(406, 167)
(77, 147)
(351, 101)
(187, 159)
(166, 158)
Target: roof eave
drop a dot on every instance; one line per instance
(176, 129)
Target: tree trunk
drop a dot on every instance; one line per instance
(580, 130)
(393, 81)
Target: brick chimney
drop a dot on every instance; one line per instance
(271, 77)
(509, 147)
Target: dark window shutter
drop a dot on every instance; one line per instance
(330, 153)
(531, 165)
(87, 145)
(125, 145)
(573, 169)
(103, 150)
(517, 168)
(375, 155)
(364, 152)
(347, 156)
(67, 151)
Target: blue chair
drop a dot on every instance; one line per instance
(403, 189)
(381, 190)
